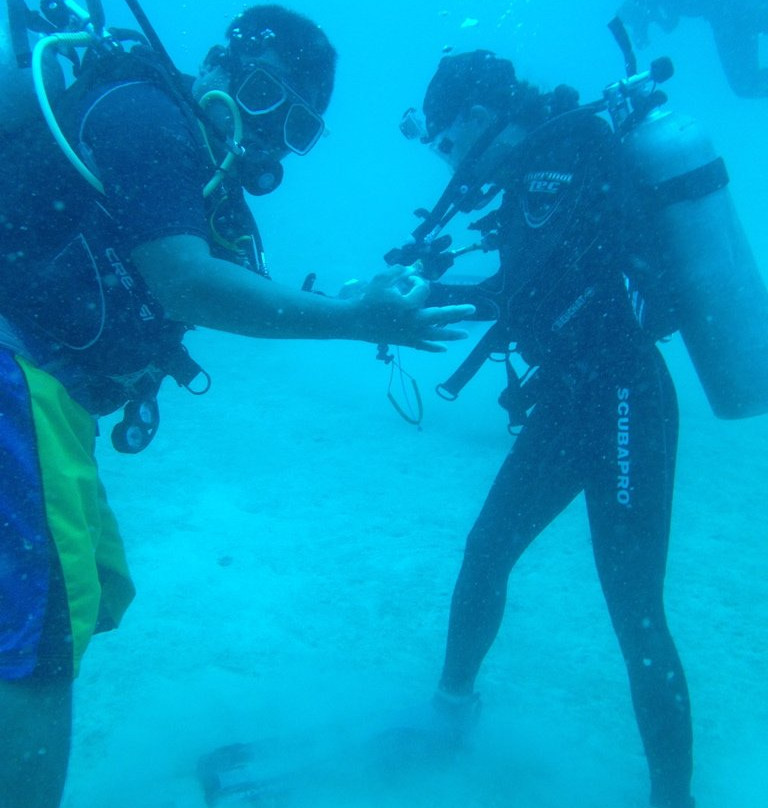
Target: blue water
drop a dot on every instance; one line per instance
(294, 543)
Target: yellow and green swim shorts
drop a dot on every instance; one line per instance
(63, 574)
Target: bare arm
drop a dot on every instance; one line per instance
(197, 289)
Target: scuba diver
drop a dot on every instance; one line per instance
(125, 225)
(737, 26)
(599, 414)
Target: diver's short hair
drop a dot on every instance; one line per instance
(463, 80)
(480, 77)
(300, 43)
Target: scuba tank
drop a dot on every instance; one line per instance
(712, 283)
(720, 299)
(691, 268)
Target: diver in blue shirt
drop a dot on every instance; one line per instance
(111, 247)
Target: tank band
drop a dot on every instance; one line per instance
(700, 182)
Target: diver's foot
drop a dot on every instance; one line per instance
(433, 734)
(456, 714)
(687, 802)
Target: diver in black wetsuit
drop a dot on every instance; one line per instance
(737, 26)
(605, 418)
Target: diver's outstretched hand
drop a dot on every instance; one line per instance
(390, 310)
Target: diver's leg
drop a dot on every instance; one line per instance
(35, 693)
(535, 483)
(629, 502)
(36, 717)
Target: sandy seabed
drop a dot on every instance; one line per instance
(294, 544)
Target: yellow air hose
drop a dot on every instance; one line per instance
(84, 39)
(38, 75)
(237, 134)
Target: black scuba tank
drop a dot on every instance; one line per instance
(720, 298)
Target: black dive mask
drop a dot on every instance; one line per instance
(260, 172)
(270, 102)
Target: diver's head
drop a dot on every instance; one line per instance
(278, 67)
(470, 94)
(464, 81)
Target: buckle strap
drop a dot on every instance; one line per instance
(488, 343)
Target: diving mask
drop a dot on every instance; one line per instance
(261, 93)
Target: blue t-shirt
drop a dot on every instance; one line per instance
(150, 161)
(70, 291)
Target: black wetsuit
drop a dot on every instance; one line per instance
(605, 423)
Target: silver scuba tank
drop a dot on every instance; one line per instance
(720, 296)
